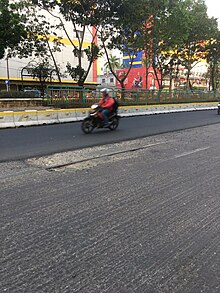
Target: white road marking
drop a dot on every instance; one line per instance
(191, 152)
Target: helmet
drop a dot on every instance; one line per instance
(105, 90)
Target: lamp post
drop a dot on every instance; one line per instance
(7, 82)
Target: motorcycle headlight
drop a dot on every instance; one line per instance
(94, 106)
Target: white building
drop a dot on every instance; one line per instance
(11, 69)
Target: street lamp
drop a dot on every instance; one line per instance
(7, 82)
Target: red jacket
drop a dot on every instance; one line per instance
(107, 103)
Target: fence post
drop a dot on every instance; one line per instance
(137, 94)
(147, 92)
(189, 96)
(83, 96)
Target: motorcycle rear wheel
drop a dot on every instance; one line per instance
(114, 123)
(87, 126)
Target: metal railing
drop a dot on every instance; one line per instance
(70, 97)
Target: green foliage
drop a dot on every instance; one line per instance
(122, 30)
(40, 70)
(80, 15)
(114, 63)
(169, 31)
(177, 34)
(92, 52)
(212, 48)
(38, 29)
(11, 28)
(77, 73)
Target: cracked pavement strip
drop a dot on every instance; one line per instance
(92, 156)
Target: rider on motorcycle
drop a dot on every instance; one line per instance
(106, 104)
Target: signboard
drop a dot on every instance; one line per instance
(136, 78)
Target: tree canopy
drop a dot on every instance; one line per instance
(177, 36)
(11, 28)
(170, 32)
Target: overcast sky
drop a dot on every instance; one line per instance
(214, 9)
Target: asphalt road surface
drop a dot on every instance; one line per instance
(26, 142)
(136, 216)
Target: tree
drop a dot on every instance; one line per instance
(84, 16)
(42, 71)
(37, 43)
(122, 31)
(212, 48)
(70, 18)
(113, 61)
(163, 35)
(198, 28)
(11, 28)
(176, 36)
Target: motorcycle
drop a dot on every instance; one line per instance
(218, 108)
(94, 120)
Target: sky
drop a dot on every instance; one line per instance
(213, 9)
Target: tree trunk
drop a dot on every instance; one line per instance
(213, 77)
(122, 91)
(159, 81)
(187, 79)
(170, 84)
(147, 77)
(54, 62)
(81, 84)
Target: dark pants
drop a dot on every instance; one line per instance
(105, 114)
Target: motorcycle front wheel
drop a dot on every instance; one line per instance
(114, 123)
(87, 126)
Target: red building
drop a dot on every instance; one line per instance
(136, 78)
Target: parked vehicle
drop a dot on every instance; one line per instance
(94, 120)
(33, 93)
(36, 93)
(219, 108)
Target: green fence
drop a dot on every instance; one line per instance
(77, 97)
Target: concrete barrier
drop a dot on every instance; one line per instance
(148, 111)
(25, 118)
(199, 107)
(127, 112)
(139, 111)
(67, 115)
(160, 109)
(7, 119)
(123, 112)
(10, 119)
(182, 108)
(206, 106)
(174, 108)
(190, 107)
(47, 117)
(134, 111)
(81, 114)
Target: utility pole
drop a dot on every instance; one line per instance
(8, 77)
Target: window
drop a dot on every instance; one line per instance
(111, 79)
(103, 80)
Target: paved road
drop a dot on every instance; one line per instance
(141, 217)
(40, 140)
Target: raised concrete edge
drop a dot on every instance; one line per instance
(10, 119)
